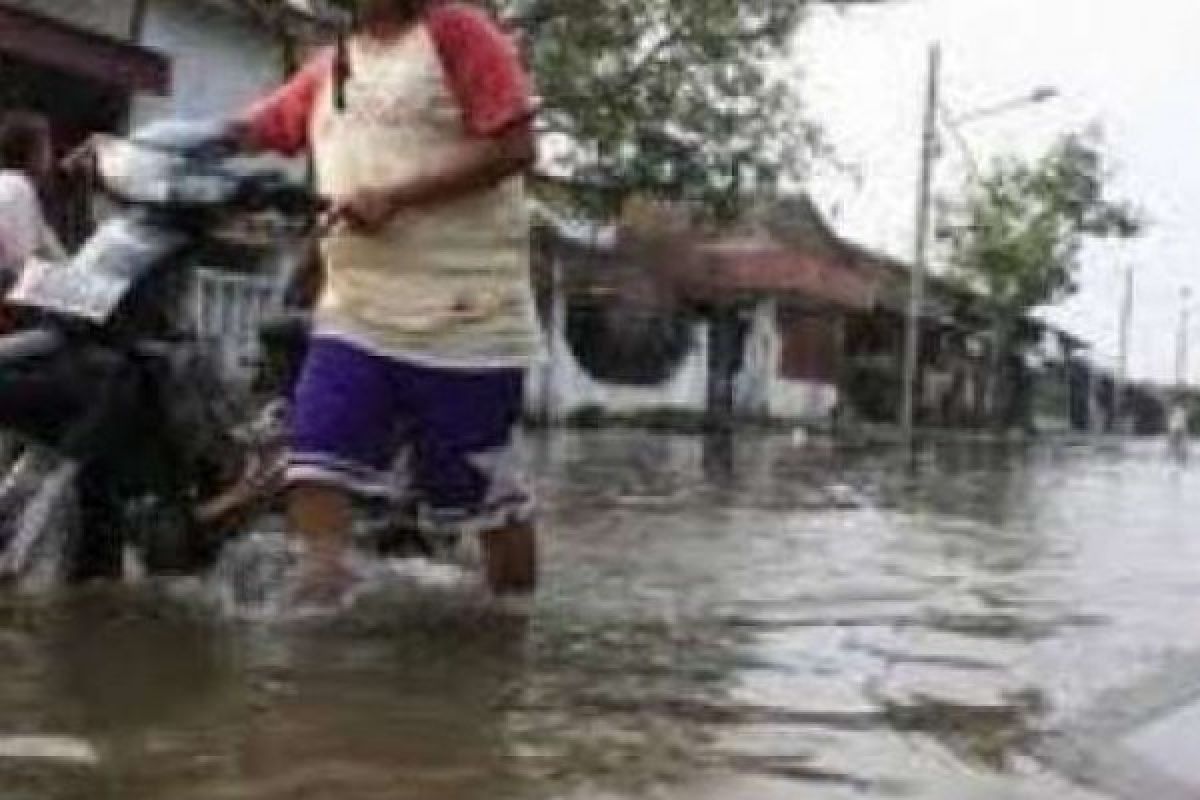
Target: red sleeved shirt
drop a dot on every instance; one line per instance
(481, 67)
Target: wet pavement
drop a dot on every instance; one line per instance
(1172, 745)
(720, 619)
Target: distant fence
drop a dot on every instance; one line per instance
(227, 309)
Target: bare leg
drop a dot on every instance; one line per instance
(322, 517)
(261, 480)
(510, 559)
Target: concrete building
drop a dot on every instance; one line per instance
(115, 65)
(746, 325)
(221, 58)
(111, 65)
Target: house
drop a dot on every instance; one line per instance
(113, 65)
(738, 324)
(78, 63)
(138, 59)
(116, 65)
(956, 354)
(1043, 380)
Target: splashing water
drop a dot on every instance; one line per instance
(250, 578)
(39, 503)
(699, 634)
(255, 576)
(253, 579)
(61, 749)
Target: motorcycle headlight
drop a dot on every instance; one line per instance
(152, 176)
(138, 174)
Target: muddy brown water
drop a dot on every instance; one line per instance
(719, 619)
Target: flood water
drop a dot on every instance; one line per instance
(745, 619)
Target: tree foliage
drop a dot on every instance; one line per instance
(1025, 225)
(666, 97)
(683, 99)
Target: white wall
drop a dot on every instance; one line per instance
(558, 386)
(761, 392)
(760, 361)
(802, 400)
(219, 62)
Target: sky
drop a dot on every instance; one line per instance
(1131, 67)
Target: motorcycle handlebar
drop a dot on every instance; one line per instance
(288, 198)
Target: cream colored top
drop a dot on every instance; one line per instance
(446, 285)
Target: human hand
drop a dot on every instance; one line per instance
(84, 157)
(366, 211)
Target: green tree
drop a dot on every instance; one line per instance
(671, 98)
(683, 99)
(1024, 225)
(1017, 239)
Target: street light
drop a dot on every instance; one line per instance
(929, 153)
(955, 122)
(1041, 94)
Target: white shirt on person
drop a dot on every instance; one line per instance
(24, 231)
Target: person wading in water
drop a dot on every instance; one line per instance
(420, 129)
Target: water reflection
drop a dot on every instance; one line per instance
(739, 616)
(719, 456)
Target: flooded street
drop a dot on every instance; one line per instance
(747, 619)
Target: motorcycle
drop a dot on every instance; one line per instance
(126, 438)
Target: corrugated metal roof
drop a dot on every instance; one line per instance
(603, 260)
(764, 266)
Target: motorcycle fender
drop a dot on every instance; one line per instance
(92, 285)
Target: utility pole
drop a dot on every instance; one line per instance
(1178, 422)
(1123, 351)
(1181, 343)
(916, 285)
